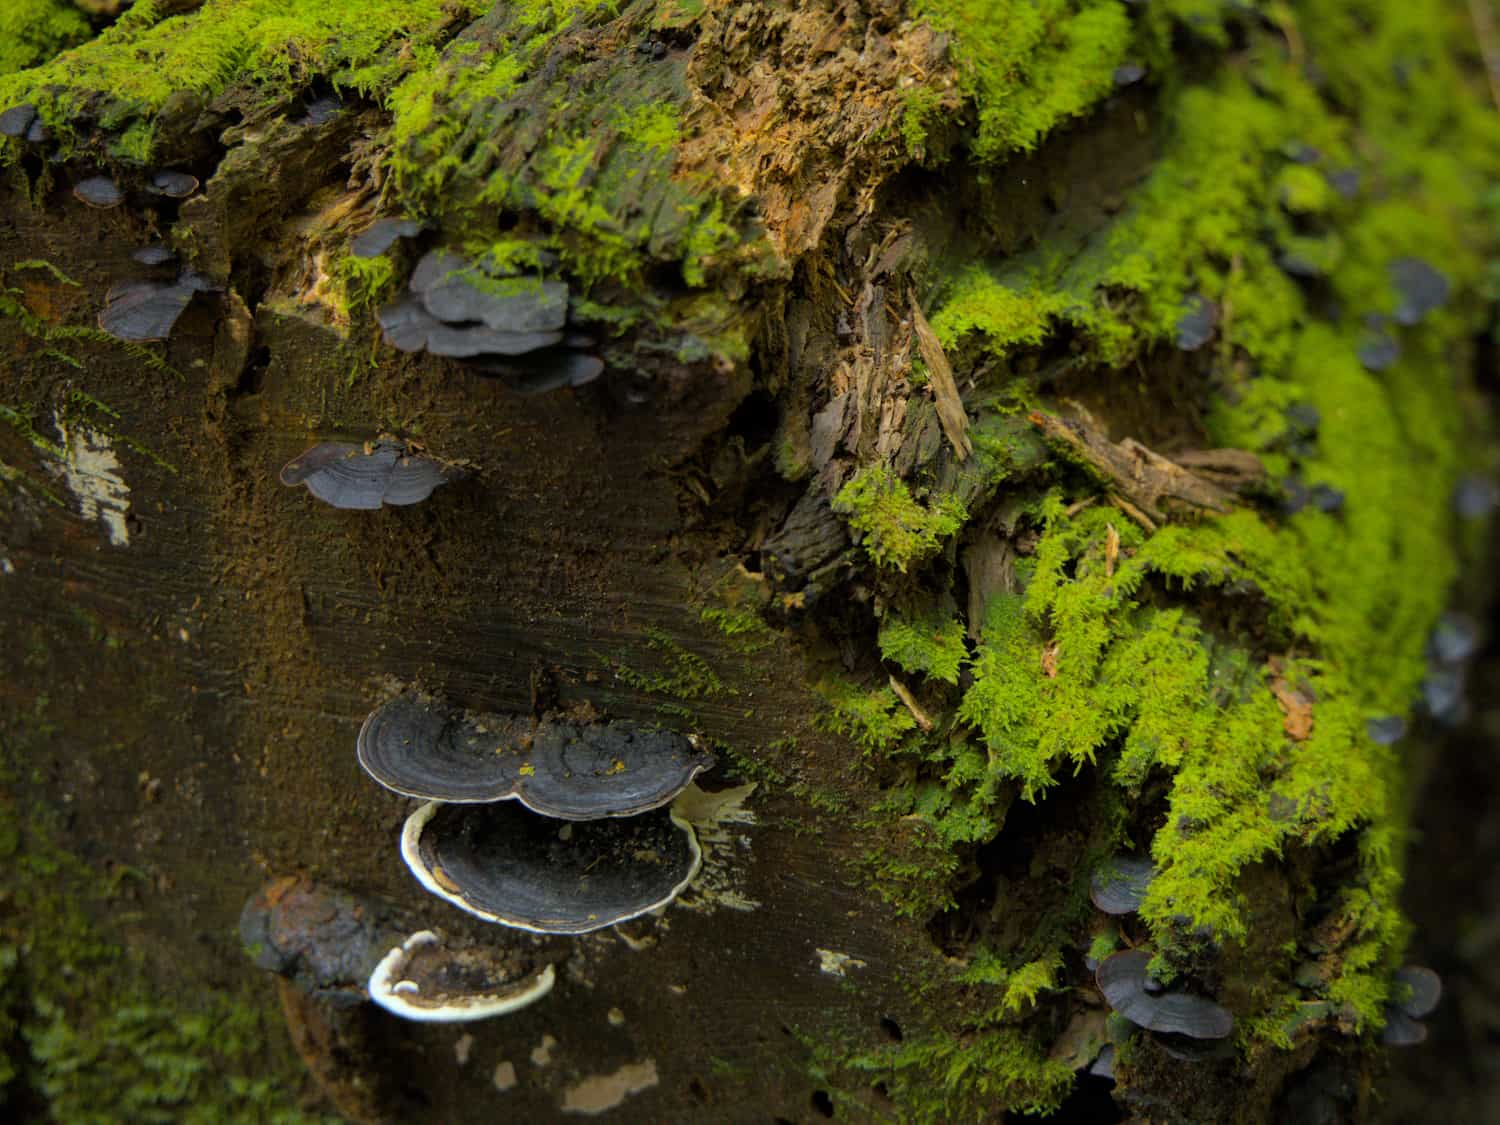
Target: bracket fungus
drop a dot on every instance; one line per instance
(173, 185)
(409, 327)
(363, 477)
(1196, 324)
(382, 234)
(506, 864)
(1128, 989)
(98, 191)
(1415, 995)
(571, 771)
(1118, 885)
(153, 255)
(1420, 287)
(141, 311)
(422, 980)
(16, 120)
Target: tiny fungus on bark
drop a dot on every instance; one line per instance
(364, 477)
(174, 185)
(1378, 351)
(1129, 73)
(1420, 287)
(16, 120)
(154, 255)
(1196, 322)
(1415, 993)
(422, 748)
(423, 980)
(506, 864)
(1129, 989)
(1118, 885)
(382, 234)
(1326, 498)
(1454, 639)
(98, 191)
(1475, 496)
(1386, 730)
(1443, 694)
(140, 311)
(321, 110)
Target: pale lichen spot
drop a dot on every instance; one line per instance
(837, 964)
(91, 471)
(600, 1093)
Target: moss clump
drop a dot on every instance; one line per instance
(1029, 66)
(875, 720)
(32, 31)
(898, 530)
(931, 645)
(124, 77)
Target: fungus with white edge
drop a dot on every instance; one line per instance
(1118, 885)
(422, 980)
(506, 864)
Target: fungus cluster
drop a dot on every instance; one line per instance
(365, 476)
(454, 309)
(1415, 994)
(549, 826)
(1453, 644)
(1127, 986)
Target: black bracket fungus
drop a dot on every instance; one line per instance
(1378, 351)
(154, 255)
(363, 477)
(1454, 639)
(141, 311)
(1196, 324)
(1421, 288)
(409, 327)
(506, 864)
(174, 185)
(16, 120)
(1386, 730)
(1129, 989)
(98, 191)
(421, 979)
(1129, 73)
(1119, 885)
(422, 748)
(1415, 993)
(382, 234)
(1475, 497)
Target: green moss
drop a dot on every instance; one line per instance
(898, 530)
(125, 76)
(1030, 65)
(944, 1078)
(875, 720)
(680, 674)
(745, 630)
(1008, 318)
(931, 645)
(32, 31)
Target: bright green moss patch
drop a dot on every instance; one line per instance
(931, 645)
(32, 31)
(898, 530)
(125, 76)
(1007, 318)
(875, 719)
(1029, 65)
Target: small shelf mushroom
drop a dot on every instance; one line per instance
(421, 979)
(1118, 885)
(363, 477)
(423, 748)
(1129, 990)
(506, 864)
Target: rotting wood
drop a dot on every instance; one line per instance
(950, 407)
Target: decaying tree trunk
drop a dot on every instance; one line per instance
(1025, 442)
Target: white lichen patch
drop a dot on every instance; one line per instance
(91, 471)
(603, 1092)
(718, 819)
(504, 1077)
(541, 1054)
(837, 964)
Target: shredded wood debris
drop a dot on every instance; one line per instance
(950, 408)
